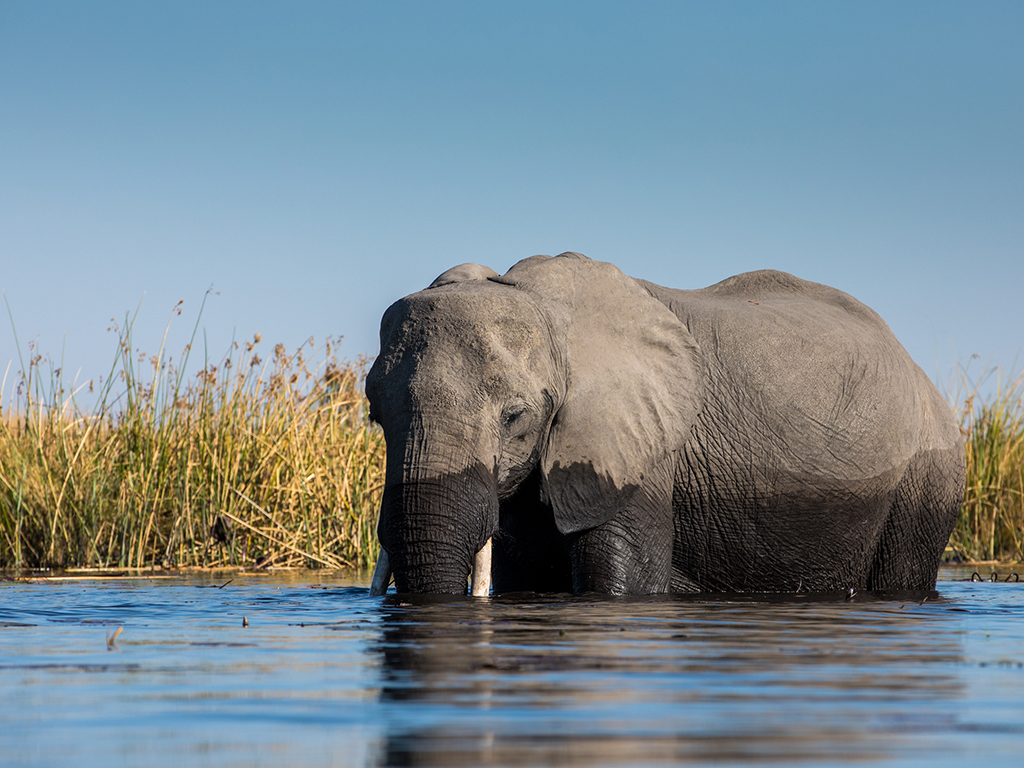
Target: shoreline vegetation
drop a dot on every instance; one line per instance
(273, 463)
(250, 462)
(990, 526)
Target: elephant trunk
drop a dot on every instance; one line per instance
(480, 578)
(435, 532)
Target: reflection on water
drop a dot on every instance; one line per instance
(670, 680)
(324, 674)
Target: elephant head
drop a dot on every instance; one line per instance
(563, 375)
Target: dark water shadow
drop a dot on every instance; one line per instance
(529, 680)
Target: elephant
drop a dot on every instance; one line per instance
(567, 428)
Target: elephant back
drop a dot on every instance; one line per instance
(812, 371)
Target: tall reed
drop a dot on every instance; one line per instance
(991, 521)
(249, 462)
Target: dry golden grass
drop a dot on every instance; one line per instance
(250, 462)
(991, 521)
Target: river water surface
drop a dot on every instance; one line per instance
(282, 670)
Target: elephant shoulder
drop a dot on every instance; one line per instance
(731, 300)
(772, 285)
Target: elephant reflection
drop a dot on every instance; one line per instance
(540, 681)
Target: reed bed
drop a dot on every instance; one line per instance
(991, 521)
(249, 462)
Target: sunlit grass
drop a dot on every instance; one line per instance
(252, 461)
(991, 521)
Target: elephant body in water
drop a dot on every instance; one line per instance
(610, 435)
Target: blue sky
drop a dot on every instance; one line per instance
(312, 162)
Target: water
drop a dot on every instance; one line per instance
(325, 675)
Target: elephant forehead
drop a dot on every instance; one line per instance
(436, 393)
(457, 306)
(448, 346)
(515, 334)
(477, 325)
(494, 358)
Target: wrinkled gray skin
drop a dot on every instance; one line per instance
(615, 436)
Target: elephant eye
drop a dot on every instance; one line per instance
(513, 418)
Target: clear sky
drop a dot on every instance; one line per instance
(313, 161)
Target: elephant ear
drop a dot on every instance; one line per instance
(462, 272)
(632, 392)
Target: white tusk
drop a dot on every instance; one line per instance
(381, 575)
(482, 572)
